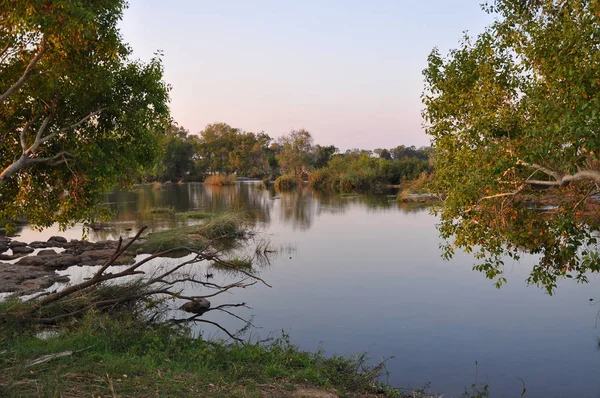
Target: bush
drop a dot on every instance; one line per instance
(220, 179)
(320, 179)
(286, 182)
(361, 173)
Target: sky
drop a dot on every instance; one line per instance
(348, 71)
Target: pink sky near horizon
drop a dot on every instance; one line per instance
(347, 71)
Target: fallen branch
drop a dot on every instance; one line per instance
(50, 357)
(87, 295)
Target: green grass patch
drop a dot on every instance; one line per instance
(127, 355)
(163, 240)
(225, 226)
(232, 224)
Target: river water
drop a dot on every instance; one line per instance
(362, 273)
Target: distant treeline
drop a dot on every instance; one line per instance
(222, 149)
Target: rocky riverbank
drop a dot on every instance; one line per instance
(26, 268)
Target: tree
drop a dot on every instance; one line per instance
(77, 116)
(225, 149)
(295, 151)
(515, 124)
(383, 153)
(178, 159)
(322, 155)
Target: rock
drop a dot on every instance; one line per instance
(8, 257)
(32, 261)
(62, 261)
(71, 243)
(78, 247)
(197, 306)
(3, 247)
(40, 245)
(15, 243)
(96, 255)
(58, 239)
(68, 258)
(22, 250)
(26, 279)
(59, 261)
(47, 252)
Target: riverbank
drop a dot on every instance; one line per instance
(126, 354)
(113, 340)
(129, 351)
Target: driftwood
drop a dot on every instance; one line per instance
(156, 286)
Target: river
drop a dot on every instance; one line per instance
(362, 273)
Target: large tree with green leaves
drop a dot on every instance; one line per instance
(77, 115)
(295, 152)
(224, 149)
(178, 159)
(514, 114)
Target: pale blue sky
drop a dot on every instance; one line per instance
(347, 71)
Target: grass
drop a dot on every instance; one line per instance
(286, 182)
(225, 225)
(215, 226)
(163, 240)
(220, 179)
(240, 262)
(162, 210)
(125, 354)
(235, 263)
(196, 215)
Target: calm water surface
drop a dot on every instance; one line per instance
(361, 273)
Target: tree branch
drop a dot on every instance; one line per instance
(82, 120)
(559, 179)
(27, 74)
(53, 161)
(6, 47)
(195, 319)
(23, 135)
(147, 288)
(27, 158)
(502, 195)
(543, 169)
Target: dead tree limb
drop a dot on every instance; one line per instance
(150, 285)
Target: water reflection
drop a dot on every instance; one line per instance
(298, 208)
(365, 274)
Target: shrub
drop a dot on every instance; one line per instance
(286, 182)
(220, 179)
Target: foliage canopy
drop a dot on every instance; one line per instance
(295, 152)
(514, 116)
(225, 149)
(77, 115)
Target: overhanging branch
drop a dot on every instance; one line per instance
(561, 179)
(27, 73)
(28, 155)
